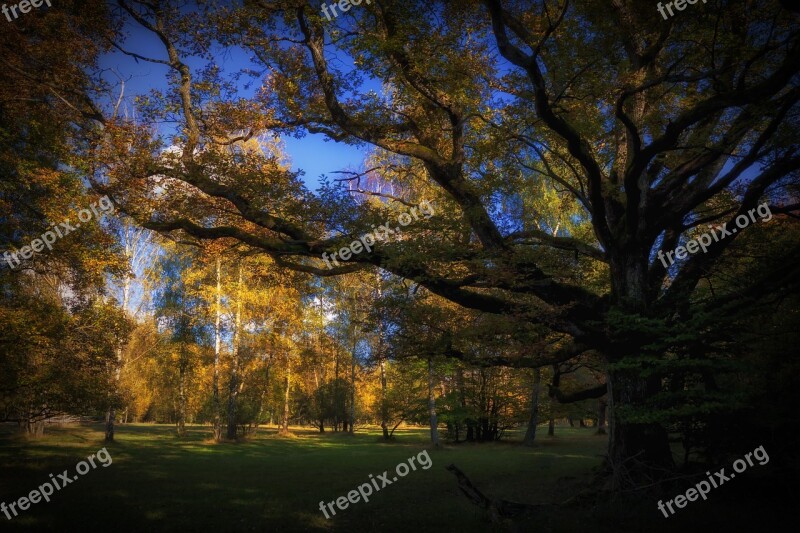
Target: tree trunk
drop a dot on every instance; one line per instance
(637, 452)
(533, 421)
(634, 446)
(34, 428)
(215, 403)
(602, 403)
(111, 414)
(233, 389)
(384, 405)
(182, 368)
(264, 397)
(285, 418)
(432, 406)
(551, 426)
(336, 396)
(353, 390)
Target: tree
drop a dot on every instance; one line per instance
(53, 301)
(181, 312)
(139, 251)
(649, 133)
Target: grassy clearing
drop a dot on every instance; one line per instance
(158, 482)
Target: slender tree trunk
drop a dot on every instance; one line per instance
(320, 394)
(233, 389)
(215, 403)
(432, 406)
(551, 426)
(462, 397)
(602, 403)
(336, 396)
(382, 359)
(182, 369)
(285, 418)
(353, 389)
(533, 421)
(111, 414)
(264, 397)
(384, 404)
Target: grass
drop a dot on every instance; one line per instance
(160, 483)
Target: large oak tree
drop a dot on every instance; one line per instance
(648, 129)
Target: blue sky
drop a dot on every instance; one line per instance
(311, 154)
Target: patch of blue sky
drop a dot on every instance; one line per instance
(313, 154)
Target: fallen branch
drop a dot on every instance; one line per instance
(498, 509)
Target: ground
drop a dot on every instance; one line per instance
(160, 483)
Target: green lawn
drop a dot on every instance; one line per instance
(160, 483)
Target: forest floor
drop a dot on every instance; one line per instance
(160, 483)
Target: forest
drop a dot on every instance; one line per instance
(257, 255)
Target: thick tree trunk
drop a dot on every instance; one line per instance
(533, 421)
(636, 451)
(432, 406)
(215, 402)
(233, 389)
(634, 446)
